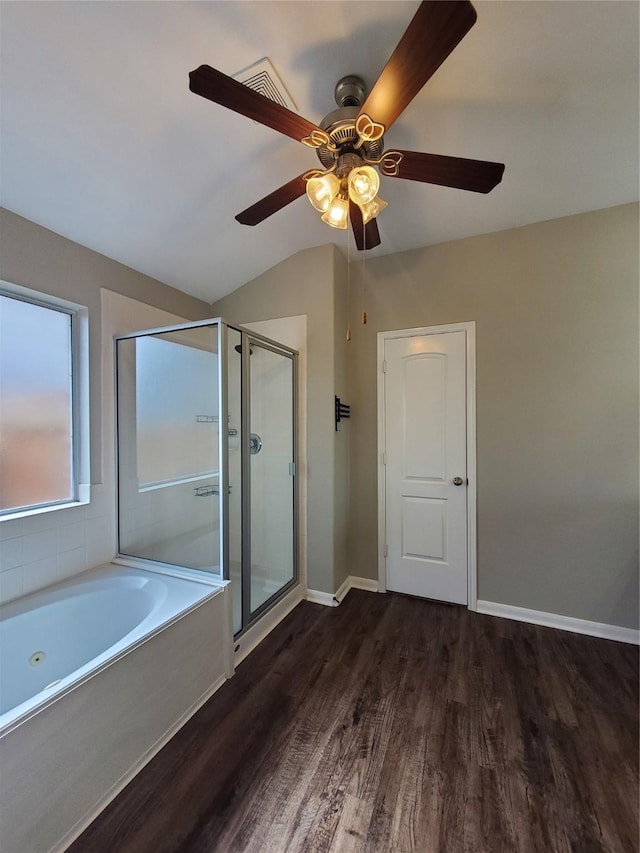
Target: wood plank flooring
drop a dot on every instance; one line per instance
(395, 724)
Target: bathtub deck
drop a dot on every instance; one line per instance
(392, 724)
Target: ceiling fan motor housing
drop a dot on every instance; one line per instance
(350, 94)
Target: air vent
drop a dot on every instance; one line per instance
(263, 78)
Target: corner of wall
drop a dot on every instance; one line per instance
(303, 284)
(342, 436)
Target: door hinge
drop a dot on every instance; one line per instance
(292, 469)
(386, 550)
(383, 458)
(384, 366)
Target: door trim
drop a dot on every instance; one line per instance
(470, 338)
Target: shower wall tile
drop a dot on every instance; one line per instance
(41, 549)
(37, 546)
(10, 529)
(72, 562)
(71, 536)
(41, 573)
(72, 514)
(10, 553)
(40, 522)
(100, 549)
(10, 584)
(99, 527)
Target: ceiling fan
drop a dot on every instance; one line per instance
(349, 141)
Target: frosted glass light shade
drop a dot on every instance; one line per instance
(321, 191)
(338, 214)
(372, 209)
(364, 183)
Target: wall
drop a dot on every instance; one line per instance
(304, 284)
(342, 436)
(41, 549)
(556, 308)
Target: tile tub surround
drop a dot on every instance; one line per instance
(28, 564)
(39, 550)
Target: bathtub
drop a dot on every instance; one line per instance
(96, 674)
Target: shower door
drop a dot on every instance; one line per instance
(270, 541)
(169, 460)
(206, 457)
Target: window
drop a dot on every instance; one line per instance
(40, 455)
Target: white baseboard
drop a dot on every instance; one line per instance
(564, 623)
(315, 596)
(133, 771)
(351, 582)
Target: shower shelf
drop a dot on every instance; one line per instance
(207, 491)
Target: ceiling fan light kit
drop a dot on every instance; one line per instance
(338, 213)
(349, 141)
(350, 178)
(364, 183)
(321, 190)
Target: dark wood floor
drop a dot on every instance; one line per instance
(393, 724)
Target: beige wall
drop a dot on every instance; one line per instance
(34, 257)
(304, 284)
(556, 308)
(343, 435)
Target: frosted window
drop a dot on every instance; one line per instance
(36, 436)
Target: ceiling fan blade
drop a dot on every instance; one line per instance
(366, 236)
(227, 92)
(273, 202)
(434, 31)
(479, 176)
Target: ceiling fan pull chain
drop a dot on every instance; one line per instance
(364, 276)
(348, 288)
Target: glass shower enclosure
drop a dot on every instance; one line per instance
(206, 449)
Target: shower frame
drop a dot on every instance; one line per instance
(249, 618)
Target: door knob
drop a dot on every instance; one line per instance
(458, 481)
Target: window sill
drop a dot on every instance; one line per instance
(84, 498)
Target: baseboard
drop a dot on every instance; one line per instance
(350, 582)
(564, 623)
(315, 596)
(367, 584)
(77, 830)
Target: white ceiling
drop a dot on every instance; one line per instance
(103, 142)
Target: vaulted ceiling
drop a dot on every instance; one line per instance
(103, 142)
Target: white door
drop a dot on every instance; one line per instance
(426, 471)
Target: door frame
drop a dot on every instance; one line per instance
(469, 328)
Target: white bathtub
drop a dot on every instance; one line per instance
(96, 674)
(52, 639)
